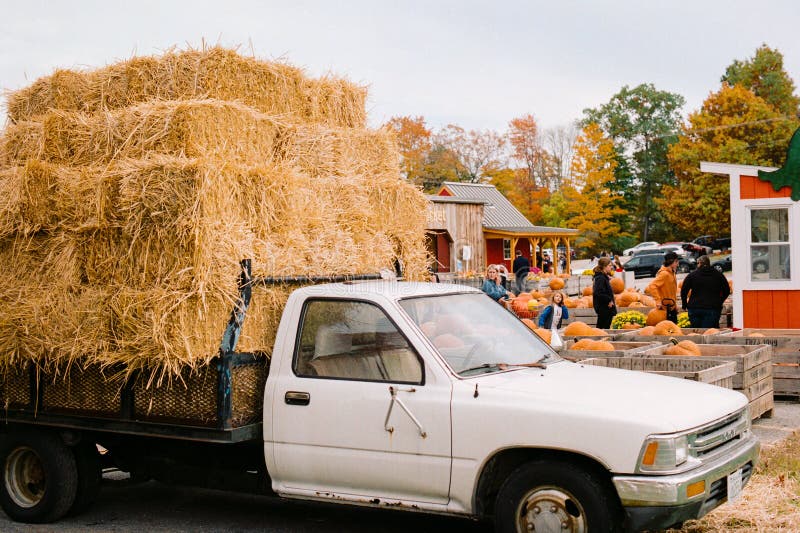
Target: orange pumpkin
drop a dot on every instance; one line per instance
(711, 331)
(587, 291)
(593, 345)
(647, 301)
(617, 285)
(429, 329)
(447, 341)
(524, 296)
(544, 334)
(570, 303)
(682, 348)
(667, 327)
(655, 316)
(556, 284)
(519, 306)
(631, 325)
(646, 331)
(578, 328)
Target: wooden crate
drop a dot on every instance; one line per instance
(621, 349)
(753, 366)
(718, 373)
(785, 355)
(696, 335)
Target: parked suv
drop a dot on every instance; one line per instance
(646, 265)
(714, 243)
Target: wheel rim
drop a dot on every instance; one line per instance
(24, 477)
(550, 509)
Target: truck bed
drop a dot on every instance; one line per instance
(220, 402)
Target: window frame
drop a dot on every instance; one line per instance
(506, 249)
(756, 283)
(299, 334)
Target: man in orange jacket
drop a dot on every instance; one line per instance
(665, 286)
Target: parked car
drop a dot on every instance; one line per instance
(723, 243)
(677, 248)
(646, 265)
(723, 263)
(695, 250)
(641, 245)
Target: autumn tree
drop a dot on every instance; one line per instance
(733, 126)
(414, 144)
(590, 205)
(475, 152)
(642, 122)
(765, 76)
(559, 144)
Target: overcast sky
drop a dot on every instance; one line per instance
(475, 64)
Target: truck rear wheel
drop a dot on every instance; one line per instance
(553, 496)
(39, 476)
(90, 475)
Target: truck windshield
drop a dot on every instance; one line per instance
(474, 334)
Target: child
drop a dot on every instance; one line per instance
(552, 315)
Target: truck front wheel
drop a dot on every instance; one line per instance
(553, 496)
(39, 476)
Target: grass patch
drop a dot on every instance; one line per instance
(770, 501)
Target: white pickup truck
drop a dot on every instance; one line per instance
(425, 397)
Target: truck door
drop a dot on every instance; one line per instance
(358, 414)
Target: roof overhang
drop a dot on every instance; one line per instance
(730, 169)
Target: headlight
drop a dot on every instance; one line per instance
(662, 454)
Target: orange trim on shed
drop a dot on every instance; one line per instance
(771, 309)
(750, 188)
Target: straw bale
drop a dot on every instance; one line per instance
(64, 89)
(272, 87)
(193, 128)
(324, 151)
(21, 141)
(38, 196)
(52, 328)
(42, 260)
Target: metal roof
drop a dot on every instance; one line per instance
(498, 213)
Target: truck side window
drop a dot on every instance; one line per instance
(353, 340)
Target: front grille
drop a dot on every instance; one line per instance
(713, 439)
(718, 492)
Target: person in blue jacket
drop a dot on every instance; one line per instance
(493, 287)
(552, 316)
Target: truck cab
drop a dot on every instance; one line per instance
(432, 397)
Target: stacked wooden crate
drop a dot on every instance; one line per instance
(753, 376)
(620, 348)
(785, 355)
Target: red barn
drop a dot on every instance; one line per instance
(506, 230)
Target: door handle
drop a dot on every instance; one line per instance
(297, 398)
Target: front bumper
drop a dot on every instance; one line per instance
(657, 502)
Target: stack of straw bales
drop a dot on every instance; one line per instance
(129, 194)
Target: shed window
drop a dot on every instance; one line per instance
(769, 244)
(506, 249)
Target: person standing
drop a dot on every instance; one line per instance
(492, 286)
(521, 268)
(664, 288)
(502, 271)
(602, 294)
(703, 292)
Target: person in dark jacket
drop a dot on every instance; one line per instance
(703, 292)
(602, 295)
(521, 268)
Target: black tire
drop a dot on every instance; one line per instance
(547, 493)
(90, 475)
(40, 477)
